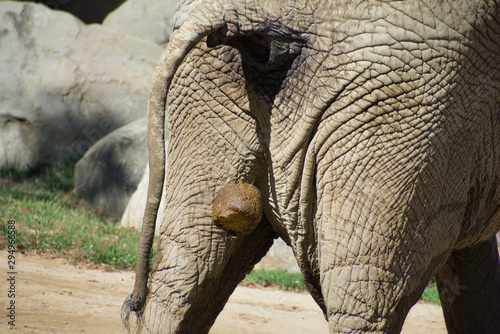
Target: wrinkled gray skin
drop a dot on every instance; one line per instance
(372, 130)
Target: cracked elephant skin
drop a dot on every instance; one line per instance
(371, 130)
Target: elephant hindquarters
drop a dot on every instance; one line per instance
(373, 287)
(381, 235)
(469, 289)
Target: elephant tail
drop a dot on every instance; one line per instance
(127, 312)
(194, 28)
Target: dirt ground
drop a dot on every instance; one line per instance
(53, 296)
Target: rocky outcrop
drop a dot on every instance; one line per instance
(149, 20)
(89, 11)
(279, 257)
(17, 142)
(108, 174)
(64, 83)
(134, 212)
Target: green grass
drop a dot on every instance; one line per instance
(275, 278)
(431, 294)
(293, 282)
(50, 218)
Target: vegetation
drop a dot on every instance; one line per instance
(275, 278)
(431, 294)
(51, 219)
(293, 282)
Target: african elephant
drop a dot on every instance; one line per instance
(371, 130)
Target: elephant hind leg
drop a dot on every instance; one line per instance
(469, 288)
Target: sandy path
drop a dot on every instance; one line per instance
(53, 296)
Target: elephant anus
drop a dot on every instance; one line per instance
(370, 130)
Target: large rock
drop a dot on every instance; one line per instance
(498, 242)
(65, 84)
(89, 11)
(279, 257)
(17, 142)
(108, 174)
(150, 20)
(134, 212)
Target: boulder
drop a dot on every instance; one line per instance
(64, 83)
(279, 257)
(134, 212)
(498, 242)
(108, 174)
(17, 142)
(89, 11)
(146, 19)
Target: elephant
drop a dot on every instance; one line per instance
(371, 130)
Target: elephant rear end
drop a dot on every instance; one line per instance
(371, 129)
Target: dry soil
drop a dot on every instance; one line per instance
(53, 296)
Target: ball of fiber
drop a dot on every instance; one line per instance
(237, 208)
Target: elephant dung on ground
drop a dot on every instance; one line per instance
(371, 130)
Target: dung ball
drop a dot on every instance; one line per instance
(237, 208)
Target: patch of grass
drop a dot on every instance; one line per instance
(293, 282)
(431, 294)
(49, 218)
(275, 278)
(57, 176)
